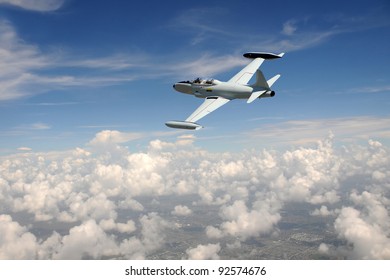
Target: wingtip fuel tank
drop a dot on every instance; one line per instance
(263, 55)
(183, 125)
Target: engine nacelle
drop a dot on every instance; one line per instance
(269, 93)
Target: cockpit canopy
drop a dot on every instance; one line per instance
(202, 81)
(205, 81)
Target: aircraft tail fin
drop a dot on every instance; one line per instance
(260, 80)
(264, 85)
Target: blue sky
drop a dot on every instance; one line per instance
(71, 69)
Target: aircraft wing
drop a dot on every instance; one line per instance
(209, 105)
(247, 72)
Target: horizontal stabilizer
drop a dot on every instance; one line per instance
(183, 125)
(263, 55)
(271, 81)
(255, 95)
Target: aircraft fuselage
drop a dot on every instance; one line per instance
(217, 88)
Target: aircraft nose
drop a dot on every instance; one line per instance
(183, 87)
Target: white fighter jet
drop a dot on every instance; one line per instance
(217, 93)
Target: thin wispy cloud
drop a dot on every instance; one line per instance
(27, 71)
(206, 64)
(35, 5)
(294, 34)
(301, 33)
(26, 129)
(33, 126)
(201, 22)
(303, 132)
(39, 126)
(289, 27)
(53, 104)
(371, 89)
(116, 62)
(24, 149)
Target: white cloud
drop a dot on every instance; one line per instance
(323, 248)
(126, 227)
(36, 5)
(182, 141)
(204, 252)
(323, 211)
(366, 225)
(289, 27)
(181, 210)
(15, 240)
(96, 207)
(370, 240)
(152, 231)
(213, 232)
(90, 240)
(374, 205)
(243, 222)
(110, 225)
(18, 60)
(86, 241)
(113, 137)
(132, 204)
(24, 149)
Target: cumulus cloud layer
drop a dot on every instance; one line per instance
(103, 201)
(367, 227)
